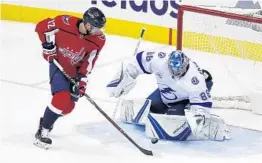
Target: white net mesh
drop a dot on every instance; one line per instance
(233, 51)
(222, 35)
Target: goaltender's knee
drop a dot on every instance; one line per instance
(62, 101)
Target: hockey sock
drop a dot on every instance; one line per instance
(49, 118)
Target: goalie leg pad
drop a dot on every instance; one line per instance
(167, 127)
(134, 111)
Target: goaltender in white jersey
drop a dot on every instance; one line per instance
(180, 108)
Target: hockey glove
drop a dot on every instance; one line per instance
(122, 84)
(80, 88)
(49, 51)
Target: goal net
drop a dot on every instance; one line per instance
(228, 45)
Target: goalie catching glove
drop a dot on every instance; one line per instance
(123, 82)
(206, 125)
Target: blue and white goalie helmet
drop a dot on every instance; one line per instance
(178, 63)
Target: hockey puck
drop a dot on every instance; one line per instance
(154, 140)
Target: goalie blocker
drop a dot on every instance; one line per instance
(169, 127)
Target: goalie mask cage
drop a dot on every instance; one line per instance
(232, 44)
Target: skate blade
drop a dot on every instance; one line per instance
(40, 144)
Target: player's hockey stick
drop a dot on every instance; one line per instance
(50, 37)
(145, 151)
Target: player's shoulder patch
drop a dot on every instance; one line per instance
(65, 19)
(195, 80)
(161, 54)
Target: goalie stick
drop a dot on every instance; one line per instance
(140, 38)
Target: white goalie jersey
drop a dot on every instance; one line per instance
(191, 86)
(197, 124)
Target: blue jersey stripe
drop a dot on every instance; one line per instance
(139, 60)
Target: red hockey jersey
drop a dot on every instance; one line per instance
(76, 53)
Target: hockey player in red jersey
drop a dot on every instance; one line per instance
(75, 43)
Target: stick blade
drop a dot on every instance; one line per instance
(146, 152)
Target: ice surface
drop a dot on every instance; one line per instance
(85, 135)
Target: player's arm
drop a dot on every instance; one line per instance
(52, 26)
(42, 28)
(143, 62)
(64, 22)
(46, 25)
(93, 46)
(125, 79)
(83, 72)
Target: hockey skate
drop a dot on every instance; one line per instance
(41, 137)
